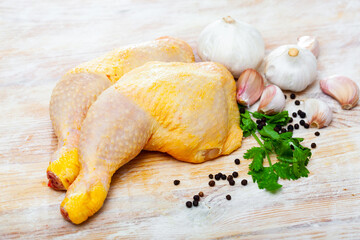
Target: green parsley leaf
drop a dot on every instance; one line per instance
(258, 155)
(293, 157)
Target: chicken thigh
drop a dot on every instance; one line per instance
(187, 110)
(78, 89)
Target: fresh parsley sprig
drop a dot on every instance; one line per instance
(293, 157)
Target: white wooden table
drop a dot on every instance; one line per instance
(41, 40)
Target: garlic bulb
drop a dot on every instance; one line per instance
(249, 87)
(272, 100)
(309, 43)
(291, 67)
(235, 44)
(318, 113)
(343, 89)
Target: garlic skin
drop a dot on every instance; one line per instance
(318, 113)
(272, 100)
(310, 43)
(291, 67)
(249, 87)
(343, 89)
(235, 44)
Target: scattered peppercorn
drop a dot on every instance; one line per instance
(292, 147)
(292, 96)
(299, 112)
(223, 177)
(285, 96)
(217, 177)
(235, 174)
(232, 182)
(297, 102)
(242, 110)
(228, 197)
(291, 120)
(294, 114)
(212, 183)
(317, 134)
(296, 126)
(290, 128)
(211, 176)
(196, 203)
(259, 127)
(196, 198)
(201, 194)
(302, 122)
(313, 145)
(276, 129)
(237, 161)
(283, 130)
(176, 182)
(189, 204)
(302, 115)
(244, 182)
(306, 125)
(230, 177)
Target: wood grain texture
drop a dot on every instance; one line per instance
(41, 40)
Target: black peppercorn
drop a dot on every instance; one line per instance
(290, 128)
(211, 176)
(296, 126)
(299, 112)
(228, 197)
(283, 130)
(292, 96)
(189, 204)
(230, 177)
(232, 182)
(276, 129)
(306, 125)
(313, 145)
(244, 182)
(235, 174)
(176, 182)
(242, 110)
(217, 177)
(294, 114)
(302, 122)
(195, 203)
(196, 198)
(292, 147)
(212, 183)
(317, 134)
(223, 177)
(302, 115)
(237, 161)
(259, 127)
(297, 102)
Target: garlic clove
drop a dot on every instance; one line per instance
(272, 100)
(311, 43)
(343, 89)
(291, 67)
(249, 87)
(318, 113)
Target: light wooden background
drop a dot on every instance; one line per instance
(41, 40)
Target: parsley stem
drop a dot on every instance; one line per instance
(263, 147)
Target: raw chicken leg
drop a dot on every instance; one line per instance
(79, 88)
(188, 110)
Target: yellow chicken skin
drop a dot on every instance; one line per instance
(79, 89)
(187, 110)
